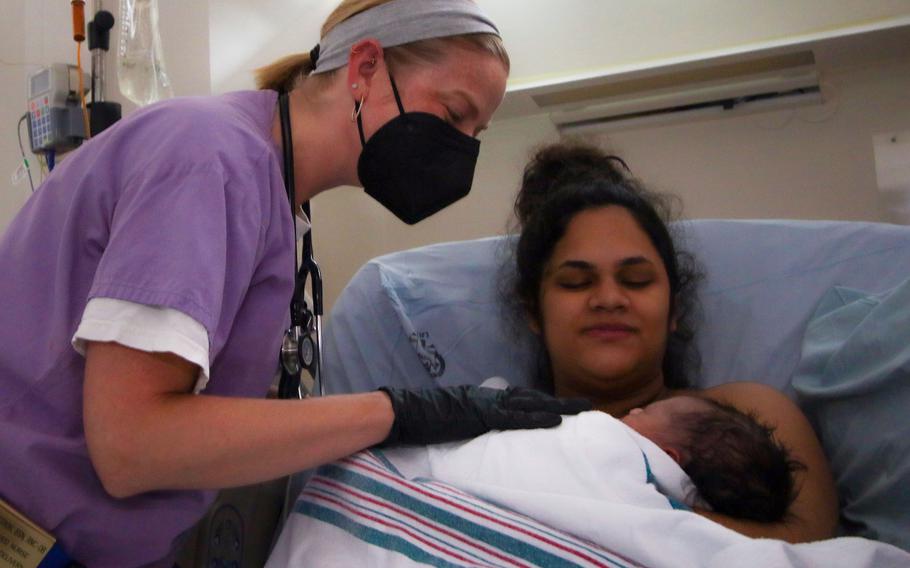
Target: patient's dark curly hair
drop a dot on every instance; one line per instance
(565, 179)
(736, 463)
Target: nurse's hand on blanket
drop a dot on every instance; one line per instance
(446, 414)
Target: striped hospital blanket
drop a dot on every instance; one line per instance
(554, 497)
(432, 523)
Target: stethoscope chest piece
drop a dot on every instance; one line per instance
(307, 350)
(298, 350)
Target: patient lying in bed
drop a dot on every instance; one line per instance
(591, 492)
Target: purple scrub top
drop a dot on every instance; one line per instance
(180, 205)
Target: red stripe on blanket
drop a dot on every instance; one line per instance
(405, 513)
(399, 527)
(404, 482)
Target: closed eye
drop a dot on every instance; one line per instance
(574, 285)
(452, 116)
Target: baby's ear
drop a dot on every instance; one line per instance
(674, 453)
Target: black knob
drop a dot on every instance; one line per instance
(99, 30)
(104, 21)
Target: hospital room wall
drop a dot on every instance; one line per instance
(814, 162)
(810, 163)
(36, 33)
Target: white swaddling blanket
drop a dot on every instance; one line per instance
(554, 497)
(592, 456)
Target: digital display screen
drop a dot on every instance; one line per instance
(40, 82)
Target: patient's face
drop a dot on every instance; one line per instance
(604, 306)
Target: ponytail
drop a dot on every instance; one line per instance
(282, 75)
(564, 164)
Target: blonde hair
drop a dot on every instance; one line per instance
(284, 74)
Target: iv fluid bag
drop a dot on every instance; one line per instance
(140, 62)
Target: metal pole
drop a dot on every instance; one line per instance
(99, 57)
(98, 75)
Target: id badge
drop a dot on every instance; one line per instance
(22, 543)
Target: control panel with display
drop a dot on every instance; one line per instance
(54, 111)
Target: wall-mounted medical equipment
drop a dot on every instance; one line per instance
(55, 120)
(140, 63)
(59, 118)
(102, 113)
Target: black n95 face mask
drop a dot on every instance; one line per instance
(416, 164)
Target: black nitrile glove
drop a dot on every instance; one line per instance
(446, 414)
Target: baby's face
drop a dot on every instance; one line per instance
(656, 421)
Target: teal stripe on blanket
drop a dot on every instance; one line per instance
(380, 455)
(489, 508)
(649, 478)
(524, 522)
(492, 537)
(409, 524)
(373, 536)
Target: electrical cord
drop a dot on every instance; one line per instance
(22, 151)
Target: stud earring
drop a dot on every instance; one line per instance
(353, 85)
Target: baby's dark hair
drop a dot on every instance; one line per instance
(736, 463)
(567, 178)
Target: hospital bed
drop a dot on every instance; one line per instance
(434, 316)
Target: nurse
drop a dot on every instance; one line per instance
(145, 286)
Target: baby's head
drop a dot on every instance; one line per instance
(735, 462)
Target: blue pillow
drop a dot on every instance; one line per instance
(853, 381)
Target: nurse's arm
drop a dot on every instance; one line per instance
(145, 430)
(813, 514)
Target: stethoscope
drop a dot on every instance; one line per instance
(301, 347)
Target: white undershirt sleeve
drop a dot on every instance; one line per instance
(146, 328)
